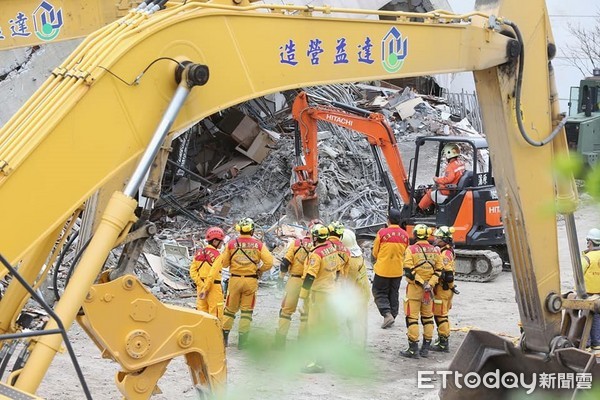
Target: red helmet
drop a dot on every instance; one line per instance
(214, 233)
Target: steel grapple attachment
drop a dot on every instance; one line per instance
(487, 366)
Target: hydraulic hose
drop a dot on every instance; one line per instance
(59, 262)
(522, 130)
(76, 261)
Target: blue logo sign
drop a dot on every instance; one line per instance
(47, 21)
(394, 50)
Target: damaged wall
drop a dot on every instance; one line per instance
(22, 72)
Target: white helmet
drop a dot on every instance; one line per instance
(594, 236)
(451, 150)
(349, 240)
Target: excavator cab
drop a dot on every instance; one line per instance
(471, 205)
(474, 188)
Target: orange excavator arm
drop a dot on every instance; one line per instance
(373, 126)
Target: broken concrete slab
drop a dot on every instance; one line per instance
(242, 128)
(415, 123)
(259, 149)
(355, 213)
(379, 101)
(185, 185)
(232, 168)
(401, 97)
(407, 108)
(466, 128)
(324, 135)
(330, 151)
(156, 264)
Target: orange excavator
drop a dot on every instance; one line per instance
(472, 206)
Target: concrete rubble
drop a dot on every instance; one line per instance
(238, 163)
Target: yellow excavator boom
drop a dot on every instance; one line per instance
(101, 114)
(34, 22)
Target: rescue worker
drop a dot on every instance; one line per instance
(357, 278)
(336, 231)
(318, 285)
(292, 264)
(454, 170)
(443, 291)
(304, 310)
(243, 255)
(591, 274)
(422, 269)
(388, 251)
(210, 297)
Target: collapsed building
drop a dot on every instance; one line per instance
(238, 163)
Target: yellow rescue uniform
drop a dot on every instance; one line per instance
(358, 280)
(591, 275)
(443, 294)
(293, 263)
(422, 264)
(388, 249)
(343, 254)
(319, 283)
(199, 271)
(244, 256)
(591, 270)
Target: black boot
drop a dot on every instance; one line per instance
(242, 341)
(441, 345)
(425, 348)
(412, 351)
(279, 342)
(225, 337)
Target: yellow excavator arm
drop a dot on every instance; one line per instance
(34, 22)
(98, 122)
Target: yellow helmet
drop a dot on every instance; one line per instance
(451, 150)
(444, 232)
(421, 231)
(337, 228)
(319, 231)
(245, 225)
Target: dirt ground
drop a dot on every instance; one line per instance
(488, 306)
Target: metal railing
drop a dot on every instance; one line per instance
(465, 105)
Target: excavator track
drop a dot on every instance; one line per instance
(477, 265)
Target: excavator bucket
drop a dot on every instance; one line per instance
(310, 208)
(304, 209)
(487, 366)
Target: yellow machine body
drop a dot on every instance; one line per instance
(85, 129)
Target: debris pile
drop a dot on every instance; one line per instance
(238, 163)
(238, 185)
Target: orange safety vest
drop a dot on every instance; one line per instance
(454, 171)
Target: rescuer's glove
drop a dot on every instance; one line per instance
(301, 306)
(427, 293)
